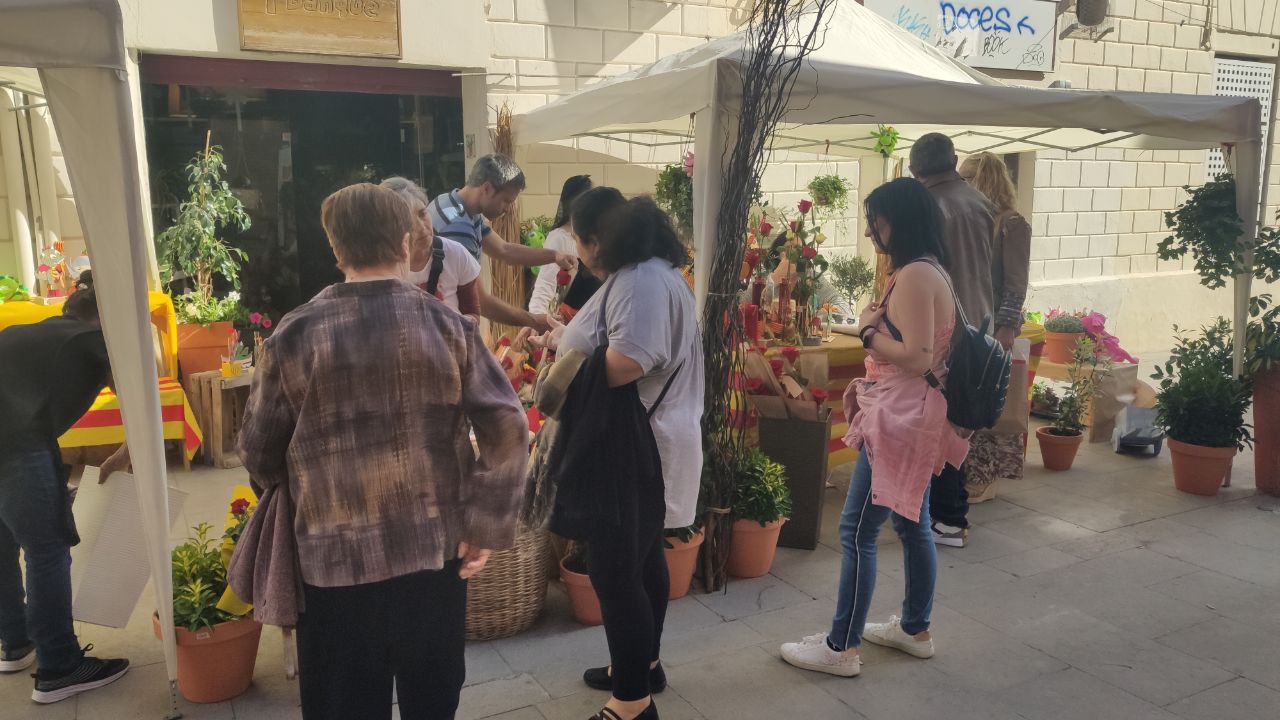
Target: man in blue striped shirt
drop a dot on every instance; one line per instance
(463, 216)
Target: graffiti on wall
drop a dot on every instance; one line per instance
(1007, 34)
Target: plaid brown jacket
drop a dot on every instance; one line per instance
(362, 404)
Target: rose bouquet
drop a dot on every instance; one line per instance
(792, 385)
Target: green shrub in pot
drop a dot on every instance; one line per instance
(1064, 323)
(763, 495)
(1199, 402)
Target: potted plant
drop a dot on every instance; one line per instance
(1264, 365)
(681, 550)
(853, 277)
(763, 505)
(192, 245)
(830, 192)
(674, 193)
(217, 649)
(1044, 401)
(582, 596)
(1060, 441)
(1201, 406)
(1062, 332)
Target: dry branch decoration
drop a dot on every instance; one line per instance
(778, 42)
(506, 280)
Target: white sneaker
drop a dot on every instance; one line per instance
(812, 653)
(949, 536)
(892, 635)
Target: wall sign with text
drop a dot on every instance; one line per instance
(1005, 34)
(368, 28)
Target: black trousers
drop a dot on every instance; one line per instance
(948, 500)
(353, 641)
(629, 574)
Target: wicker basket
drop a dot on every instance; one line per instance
(507, 596)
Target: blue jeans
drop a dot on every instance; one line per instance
(859, 527)
(34, 518)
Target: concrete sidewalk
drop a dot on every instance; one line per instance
(1098, 593)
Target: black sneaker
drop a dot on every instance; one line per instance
(600, 679)
(650, 713)
(18, 658)
(91, 673)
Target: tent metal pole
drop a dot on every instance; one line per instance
(174, 712)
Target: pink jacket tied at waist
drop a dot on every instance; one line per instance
(902, 425)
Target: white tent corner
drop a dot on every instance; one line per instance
(77, 46)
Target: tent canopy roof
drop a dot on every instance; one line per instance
(855, 80)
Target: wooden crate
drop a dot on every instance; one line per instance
(218, 403)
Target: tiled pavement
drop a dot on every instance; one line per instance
(1097, 593)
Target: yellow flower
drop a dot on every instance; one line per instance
(820, 238)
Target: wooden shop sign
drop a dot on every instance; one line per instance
(369, 28)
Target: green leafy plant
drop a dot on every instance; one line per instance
(1199, 401)
(886, 137)
(853, 277)
(1064, 323)
(674, 193)
(199, 309)
(1085, 372)
(1208, 227)
(1263, 337)
(830, 192)
(199, 579)
(763, 496)
(192, 244)
(1044, 400)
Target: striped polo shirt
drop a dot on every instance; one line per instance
(450, 218)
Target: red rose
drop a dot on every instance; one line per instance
(536, 356)
(504, 341)
(506, 363)
(515, 384)
(765, 227)
(791, 354)
(805, 205)
(819, 395)
(530, 375)
(795, 226)
(266, 323)
(563, 278)
(753, 258)
(810, 252)
(239, 506)
(534, 417)
(754, 385)
(777, 366)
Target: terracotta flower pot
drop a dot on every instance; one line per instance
(682, 559)
(586, 606)
(1266, 430)
(1059, 347)
(753, 547)
(1197, 469)
(1058, 451)
(201, 347)
(216, 664)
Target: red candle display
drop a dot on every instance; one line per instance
(757, 290)
(751, 321)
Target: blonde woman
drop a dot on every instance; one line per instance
(995, 455)
(1011, 246)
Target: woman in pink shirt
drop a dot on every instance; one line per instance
(902, 431)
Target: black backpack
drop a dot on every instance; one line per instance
(437, 264)
(978, 370)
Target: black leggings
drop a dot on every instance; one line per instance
(629, 575)
(353, 641)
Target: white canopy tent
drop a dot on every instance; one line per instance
(865, 72)
(78, 48)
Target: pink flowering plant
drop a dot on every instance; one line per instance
(1095, 328)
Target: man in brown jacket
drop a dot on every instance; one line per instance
(969, 224)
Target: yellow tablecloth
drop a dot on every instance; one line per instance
(162, 316)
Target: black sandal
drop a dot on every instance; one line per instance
(599, 678)
(650, 713)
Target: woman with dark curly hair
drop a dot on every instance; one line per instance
(629, 450)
